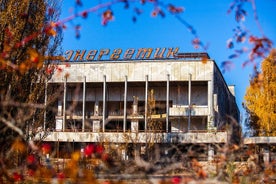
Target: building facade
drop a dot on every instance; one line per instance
(178, 100)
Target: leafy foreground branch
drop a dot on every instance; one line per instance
(31, 163)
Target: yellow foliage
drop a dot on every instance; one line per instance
(260, 97)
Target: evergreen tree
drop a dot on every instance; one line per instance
(260, 98)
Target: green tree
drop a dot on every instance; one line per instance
(260, 98)
(28, 37)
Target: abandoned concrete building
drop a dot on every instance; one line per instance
(181, 100)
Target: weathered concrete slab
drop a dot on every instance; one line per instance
(156, 70)
(120, 137)
(259, 140)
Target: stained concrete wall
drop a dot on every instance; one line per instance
(226, 103)
(156, 70)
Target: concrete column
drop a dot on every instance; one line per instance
(210, 122)
(83, 102)
(189, 100)
(266, 156)
(59, 112)
(167, 103)
(146, 102)
(104, 101)
(211, 152)
(125, 105)
(64, 103)
(124, 154)
(137, 150)
(45, 103)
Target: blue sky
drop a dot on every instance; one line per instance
(209, 18)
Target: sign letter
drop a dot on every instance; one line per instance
(91, 55)
(129, 53)
(69, 54)
(103, 52)
(79, 54)
(171, 52)
(143, 52)
(116, 54)
(159, 55)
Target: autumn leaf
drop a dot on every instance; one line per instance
(157, 11)
(261, 46)
(51, 32)
(33, 55)
(84, 14)
(18, 146)
(75, 156)
(196, 43)
(107, 16)
(17, 177)
(204, 59)
(176, 180)
(23, 68)
(174, 9)
(99, 149)
(89, 149)
(46, 148)
(30, 159)
(49, 70)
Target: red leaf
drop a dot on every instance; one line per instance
(60, 175)
(17, 177)
(46, 148)
(174, 9)
(176, 180)
(99, 149)
(107, 16)
(89, 149)
(30, 159)
(84, 14)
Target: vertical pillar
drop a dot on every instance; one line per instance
(125, 104)
(189, 101)
(104, 99)
(146, 102)
(137, 151)
(210, 123)
(83, 102)
(59, 112)
(167, 102)
(45, 104)
(211, 152)
(64, 103)
(266, 156)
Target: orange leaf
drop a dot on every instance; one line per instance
(18, 145)
(204, 60)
